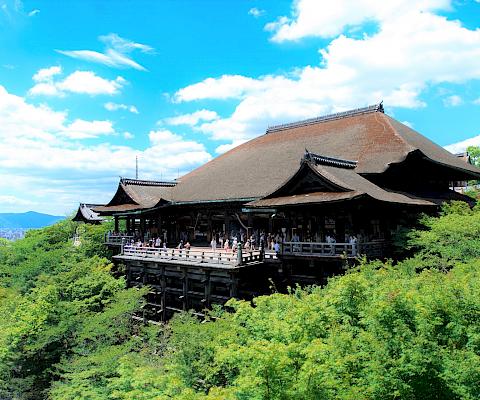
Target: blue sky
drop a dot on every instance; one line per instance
(86, 86)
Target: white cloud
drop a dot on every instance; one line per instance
(81, 129)
(477, 101)
(225, 87)
(89, 83)
(411, 51)
(114, 107)
(84, 82)
(193, 118)
(115, 54)
(452, 101)
(128, 135)
(9, 200)
(461, 146)
(47, 74)
(223, 148)
(322, 19)
(33, 12)
(39, 161)
(256, 12)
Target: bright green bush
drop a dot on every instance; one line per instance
(409, 330)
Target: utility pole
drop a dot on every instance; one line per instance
(136, 167)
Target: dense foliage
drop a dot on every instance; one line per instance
(382, 331)
(58, 301)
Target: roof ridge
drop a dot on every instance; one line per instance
(140, 182)
(319, 159)
(329, 117)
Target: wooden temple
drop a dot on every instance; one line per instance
(298, 204)
(86, 214)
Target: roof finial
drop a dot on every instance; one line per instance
(307, 156)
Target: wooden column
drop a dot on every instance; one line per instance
(163, 285)
(227, 223)
(185, 289)
(116, 223)
(127, 222)
(233, 285)
(142, 228)
(208, 288)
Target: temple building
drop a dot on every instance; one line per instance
(86, 214)
(298, 203)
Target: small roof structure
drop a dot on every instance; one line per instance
(322, 179)
(86, 214)
(136, 194)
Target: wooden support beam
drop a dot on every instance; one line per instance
(208, 288)
(233, 285)
(185, 289)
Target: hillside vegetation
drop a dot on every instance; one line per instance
(382, 331)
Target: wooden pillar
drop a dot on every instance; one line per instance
(129, 275)
(250, 224)
(163, 285)
(115, 218)
(210, 228)
(185, 289)
(142, 228)
(208, 288)
(233, 285)
(127, 222)
(227, 223)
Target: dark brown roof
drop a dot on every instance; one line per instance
(347, 184)
(135, 194)
(260, 166)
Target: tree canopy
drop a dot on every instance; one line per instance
(409, 330)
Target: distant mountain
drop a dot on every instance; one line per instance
(27, 220)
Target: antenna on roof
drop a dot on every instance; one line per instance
(136, 167)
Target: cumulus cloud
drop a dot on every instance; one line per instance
(461, 146)
(226, 147)
(411, 50)
(193, 118)
(116, 53)
(81, 129)
(40, 161)
(329, 19)
(114, 107)
(47, 74)
(84, 82)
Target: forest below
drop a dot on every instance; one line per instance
(407, 330)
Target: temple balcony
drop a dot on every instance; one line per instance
(194, 256)
(117, 239)
(372, 249)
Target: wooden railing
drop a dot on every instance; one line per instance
(193, 255)
(370, 249)
(111, 238)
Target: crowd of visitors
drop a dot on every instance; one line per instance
(221, 241)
